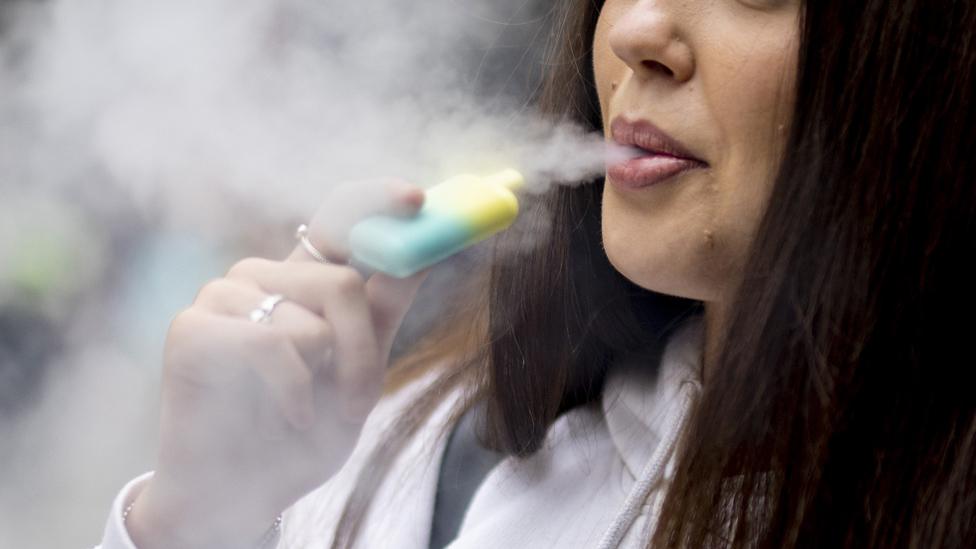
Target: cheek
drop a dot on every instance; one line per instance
(750, 94)
(748, 91)
(607, 67)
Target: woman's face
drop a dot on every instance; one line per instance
(717, 77)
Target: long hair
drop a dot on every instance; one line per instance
(841, 409)
(559, 317)
(842, 412)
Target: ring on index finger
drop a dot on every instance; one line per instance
(302, 235)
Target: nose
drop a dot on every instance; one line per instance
(645, 37)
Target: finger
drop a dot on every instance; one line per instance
(305, 283)
(308, 284)
(390, 299)
(311, 334)
(340, 294)
(349, 203)
(359, 365)
(218, 349)
(286, 375)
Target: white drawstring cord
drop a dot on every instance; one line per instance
(651, 473)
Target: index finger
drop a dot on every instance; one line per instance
(328, 231)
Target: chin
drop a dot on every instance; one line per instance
(650, 279)
(654, 270)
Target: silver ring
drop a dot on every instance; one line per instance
(302, 235)
(262, 314)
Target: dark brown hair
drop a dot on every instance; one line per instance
(842, 412)
(843, 401)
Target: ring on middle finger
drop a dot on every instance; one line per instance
(262, 314)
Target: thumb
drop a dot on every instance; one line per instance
(390, 299)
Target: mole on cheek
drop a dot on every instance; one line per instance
(614, 84)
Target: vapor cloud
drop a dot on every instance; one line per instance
(146, 145)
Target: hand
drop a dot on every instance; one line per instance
(255, 415)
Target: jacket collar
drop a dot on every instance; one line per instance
(639, 400)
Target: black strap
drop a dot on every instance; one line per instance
(465, 465)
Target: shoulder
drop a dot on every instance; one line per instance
(311, 522)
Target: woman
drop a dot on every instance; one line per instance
(821, 225)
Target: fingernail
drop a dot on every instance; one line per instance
(406, 193)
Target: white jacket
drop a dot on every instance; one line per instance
(598, 481)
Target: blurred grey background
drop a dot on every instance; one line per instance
(87, 288)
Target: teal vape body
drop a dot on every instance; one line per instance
(456, 213)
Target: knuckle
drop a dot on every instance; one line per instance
(184, 340)
(247, 267)
(348, 281)
(184, 322)
(323, 332)
(212, 290)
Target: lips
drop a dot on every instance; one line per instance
(653, 157)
